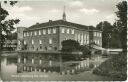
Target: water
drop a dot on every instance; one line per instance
(9, 72)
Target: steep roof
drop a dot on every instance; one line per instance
(59, 22)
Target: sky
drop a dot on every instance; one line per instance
(85, 12)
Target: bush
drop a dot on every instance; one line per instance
(115, 67)
(91, 65)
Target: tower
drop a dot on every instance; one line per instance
(64, 15)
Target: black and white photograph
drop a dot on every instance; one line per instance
(63, 40)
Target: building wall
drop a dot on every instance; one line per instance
(41, 41)
(82, 36)
(20, 37)
(97, 38)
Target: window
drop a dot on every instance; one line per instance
(54, 30)
(68, 31)
(49, 31)
(76, 37)
(50, 41)
(87, 37)
(81, 39)
(97, 34)
(98, 42)
(84, 41)
(32, 42)
(31, 33)
(27, 33)
(24, 42)
(87, 41)
(35, 33)
(81, 36)
(100, 35)
(19, 42)
(24, 34)
(62, 31)
(94, 33)
(40, 41)
(39, 32)
(72, 31)
(44, 31)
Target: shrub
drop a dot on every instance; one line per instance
(91, 65)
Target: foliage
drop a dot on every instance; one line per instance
(116, 66)
(6, 26)
(86, 51)
(70, 45)
(107, 34)
(121, 27)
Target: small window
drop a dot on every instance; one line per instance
(100, 35)
(40, 41)
(72, 31)
(87, 37)
(62, 31)
(87, 41)
(54, 30)
(50, 41)
(27, 33)
(78, 37)
(84, 41)
(19, 42)
(31, 33)
(24, 34)
(39, 32)
(75, 36)
(95, 33)
(49, 31)
(98, 42)
(24, 42)
(44, 31)
(81, 36)
(32, 42)
(68, 31)
(35, 33)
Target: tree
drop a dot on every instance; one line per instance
(106, 29)
(6, 26)
(121, 23)
(86, 51)
(70, 45)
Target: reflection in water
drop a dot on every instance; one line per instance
(9, 69)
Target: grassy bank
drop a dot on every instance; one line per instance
(115, 67)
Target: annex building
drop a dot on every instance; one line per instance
(49, 35)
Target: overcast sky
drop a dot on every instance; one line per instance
(86, 12)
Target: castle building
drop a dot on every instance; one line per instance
(48, 36)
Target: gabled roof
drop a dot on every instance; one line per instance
(59, 22)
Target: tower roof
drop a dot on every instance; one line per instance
(64, 14)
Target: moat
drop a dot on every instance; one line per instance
(14, 69)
